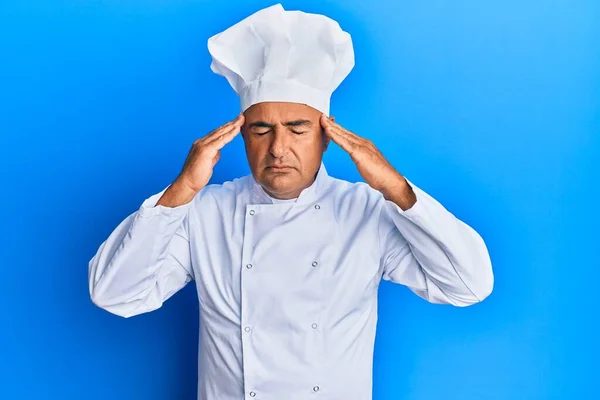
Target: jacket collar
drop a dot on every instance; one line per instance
(308, 195)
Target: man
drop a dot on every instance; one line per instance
(287, 260)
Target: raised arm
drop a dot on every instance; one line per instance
(146, 259)
(423, 245)
(435, 254)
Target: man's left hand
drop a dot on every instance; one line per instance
(371, 164)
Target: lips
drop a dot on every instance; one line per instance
(279, 167)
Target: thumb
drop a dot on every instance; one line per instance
(216, 158)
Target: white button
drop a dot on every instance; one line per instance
(247, 329)
(252, 394)
(248, 266)
(252, 213)
(314, 264)
(314, 326)
(317, 206)
(316, 389)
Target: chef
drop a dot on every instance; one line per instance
(287, 260)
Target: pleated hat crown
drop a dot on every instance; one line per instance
(279, 55)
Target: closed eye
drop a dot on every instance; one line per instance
(265, 132)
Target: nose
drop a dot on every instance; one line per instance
(279, 143)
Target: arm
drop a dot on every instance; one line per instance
(428, 249)
(145, 260)
(423, 245)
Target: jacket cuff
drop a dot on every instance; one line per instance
(150, 209)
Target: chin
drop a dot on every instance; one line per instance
(279, 184)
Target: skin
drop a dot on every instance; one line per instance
(280, 134)
(290, 135)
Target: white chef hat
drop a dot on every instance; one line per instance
(279, 55)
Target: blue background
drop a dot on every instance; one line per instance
(492, 107)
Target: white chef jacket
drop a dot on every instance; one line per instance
(288, 289)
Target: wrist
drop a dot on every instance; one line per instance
(177, 194)
(401, 193)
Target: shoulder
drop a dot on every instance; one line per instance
(222, 193)
(354, 197)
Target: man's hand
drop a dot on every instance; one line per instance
(371, 164)
(198, 167)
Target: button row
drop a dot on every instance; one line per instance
(253, 394)
(248, 329)
(252, 212)
(314, 264)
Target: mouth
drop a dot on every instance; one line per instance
(279, 168)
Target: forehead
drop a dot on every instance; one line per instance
(279, 112)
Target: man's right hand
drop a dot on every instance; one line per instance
(198, 167)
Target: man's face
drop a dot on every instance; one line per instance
(284, 146)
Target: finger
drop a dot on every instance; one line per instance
(324, 120)
(348, 141)
(233, 127)
(216, 158)
(329, 130)
(347, 135)
(342, 137)
(331, 125)
(341, 140)
(225, 137)
(239, 120)
(338, 129)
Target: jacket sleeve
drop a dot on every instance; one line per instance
(144, 261)
(439, 257)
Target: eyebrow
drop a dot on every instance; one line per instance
(298, 122)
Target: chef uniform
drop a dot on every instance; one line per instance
(287, 288)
